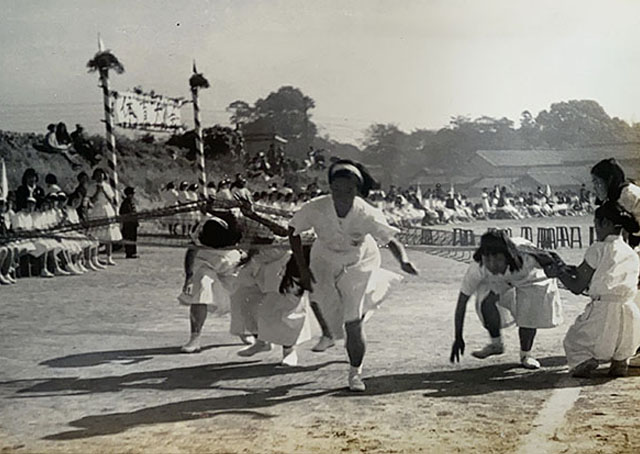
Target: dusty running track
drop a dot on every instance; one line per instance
(90, 365)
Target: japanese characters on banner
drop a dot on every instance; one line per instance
(147, 111)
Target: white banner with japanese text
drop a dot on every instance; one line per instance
(147, 111)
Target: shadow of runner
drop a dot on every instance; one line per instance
(120, 356)
(477, 381)
(91, 426)
(197, 377)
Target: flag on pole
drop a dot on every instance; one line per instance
(419, 194)
(4, 183)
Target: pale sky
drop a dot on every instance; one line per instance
(412, 63)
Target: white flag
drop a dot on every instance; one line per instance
(4, 183)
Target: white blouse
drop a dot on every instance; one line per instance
(342, 235)
(616, 268)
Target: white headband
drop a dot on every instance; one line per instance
(220, 222)
(349, 168)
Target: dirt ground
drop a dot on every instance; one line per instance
(90, 364)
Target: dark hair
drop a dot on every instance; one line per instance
(216, 235)
(292, 271)
(51, 179)
(30, 172)
(82, 175)
(498, 242)
(613, 212)
(368, 182)
(612, 174)
(97, 172)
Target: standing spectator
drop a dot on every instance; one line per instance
(28, 188)
(103, 201)
(129, 226)
(81, 193)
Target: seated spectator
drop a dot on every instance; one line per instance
(85, 147)
(52, 145)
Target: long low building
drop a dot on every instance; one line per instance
(525, 170)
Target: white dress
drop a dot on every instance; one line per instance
(609, 327)
(102, 208)
(257, 306)
(528, 297)
(214, 278)
(345, 259)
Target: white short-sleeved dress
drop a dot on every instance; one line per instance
(609, 327)
(528, 297)
(345, 259)
(102, 208)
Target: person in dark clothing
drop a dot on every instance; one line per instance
(129, 227)
(81, 191)
(29, 188)
(85, 147)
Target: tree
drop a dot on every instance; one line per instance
(580, 122)
(285, 112)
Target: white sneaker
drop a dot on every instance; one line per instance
(488, 350)
(193, 346)
(247, 339)
(258, 347)
(323, 344)
(355, 382)
(289, 357)
(47, 273)
(529, 363)
(111, 262)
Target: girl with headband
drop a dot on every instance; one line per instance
(343, 271)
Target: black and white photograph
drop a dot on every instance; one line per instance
(317, 227)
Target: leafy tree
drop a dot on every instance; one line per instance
(285, 112)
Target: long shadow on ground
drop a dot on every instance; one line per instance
(125, 357)
(479, 381)
(449, 383)
(197, 377)
(91, 426)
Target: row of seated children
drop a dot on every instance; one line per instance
(48, 239)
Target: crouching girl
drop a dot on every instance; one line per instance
(609, 328)
(510, 286)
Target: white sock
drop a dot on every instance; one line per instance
(356, 370)
(525, 354)
(496, 340)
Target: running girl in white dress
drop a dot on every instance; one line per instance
(344, 267)
(510, 287)
(609, 328)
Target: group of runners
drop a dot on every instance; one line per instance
(233, 266)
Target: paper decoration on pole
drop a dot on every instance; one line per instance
(197, 82)
(147, 111)
(102, 62)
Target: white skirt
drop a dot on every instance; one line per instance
(536, 305)
(345, 292)
(604, 331)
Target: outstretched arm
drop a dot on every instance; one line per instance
(575, 279)
(306, 278)
(458, 344)
(399, 252)
(189, 258)
(247, 209)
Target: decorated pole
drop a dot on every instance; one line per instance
(102, 62)
(197, 81)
